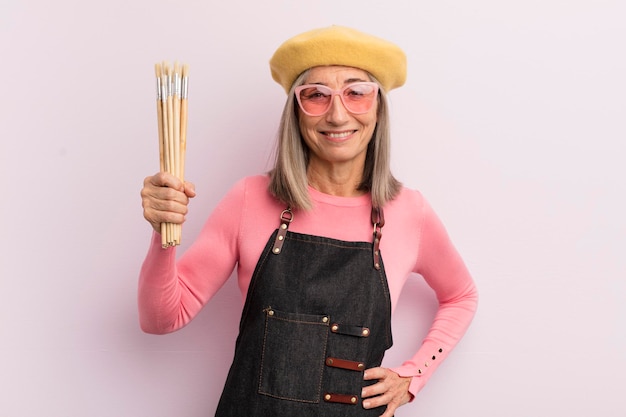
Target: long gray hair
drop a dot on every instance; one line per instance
(288, 178)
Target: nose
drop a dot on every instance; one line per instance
(337, 113)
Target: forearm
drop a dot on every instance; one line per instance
(158, 294)
(449, 325)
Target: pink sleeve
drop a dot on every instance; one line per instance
(445, 272)
(172, 292)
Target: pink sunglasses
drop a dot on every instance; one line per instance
(316, 99)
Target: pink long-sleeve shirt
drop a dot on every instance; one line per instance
(414, 240)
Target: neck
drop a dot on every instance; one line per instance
(342, 181)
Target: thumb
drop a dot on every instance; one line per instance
(190, 189)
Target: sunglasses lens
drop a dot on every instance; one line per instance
(315, 100)
(358, 98)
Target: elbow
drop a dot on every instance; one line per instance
(470, 298)
(466, 299)
(151, 326)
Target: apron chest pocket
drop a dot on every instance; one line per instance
(294, 350)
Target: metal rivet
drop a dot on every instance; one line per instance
(325, 320)
(329, 361)
(276, 250)
(327, 397)
(353, 400)
(334, 328)
(283, 226)
(280, 237)
(271, 312)
(377, 265)
(361, 366)
(366, 332)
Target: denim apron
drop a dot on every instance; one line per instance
(317, 314)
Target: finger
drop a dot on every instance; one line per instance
(173, 204)
(377, 401)
(390, 390)
(190, 189)
(152, 190)
(374, 373)
(390, 410)
(379, 374)
(164, 179)
(166, 194)
(378, 388)
(158, 211)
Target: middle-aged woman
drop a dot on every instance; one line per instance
(307, 242)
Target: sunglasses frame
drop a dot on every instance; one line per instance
(332, 93)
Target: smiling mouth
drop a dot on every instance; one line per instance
(339, 135)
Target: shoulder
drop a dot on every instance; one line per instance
(411, 209)
(253, 183)
(407, 200)
(252, 191)
(253, 187)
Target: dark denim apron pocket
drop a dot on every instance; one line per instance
(294, 350)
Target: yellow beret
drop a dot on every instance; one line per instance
(338, 45)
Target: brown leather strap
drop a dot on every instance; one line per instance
(345, 364)
(346, 329)
(341, 398)
(286, 217)
(378, 220)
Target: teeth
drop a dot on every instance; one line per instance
(339, 135)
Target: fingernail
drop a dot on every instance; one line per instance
(366, 404)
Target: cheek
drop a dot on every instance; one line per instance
(369, 123)
(307, 128)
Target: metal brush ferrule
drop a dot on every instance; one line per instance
(164, 90)
(185, 84)
(158, 88)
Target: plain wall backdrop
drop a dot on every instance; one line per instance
(511, 123)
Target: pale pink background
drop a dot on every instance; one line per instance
(511, 123)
